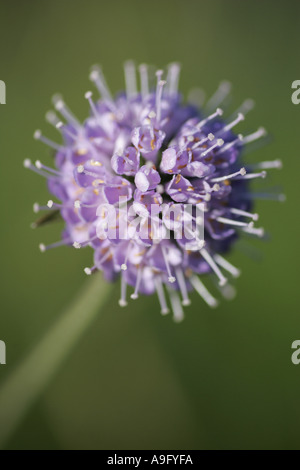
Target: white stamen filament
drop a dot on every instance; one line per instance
(52, 118)
(242, 172)
(130, 79)
(178, 314)
(235, 272)
(43, 247)
(61, 126)
(240, 117)
(39, 136)
(202, 123)
(219, 96)
(245, 107)
(203, 292)
(143, 69)
(161, 295)
(97, 77)
(171, 278)
(173, 78)
(122, 301)
(28, 164)
(251, 176)
(261, 132)
(62, 108)
(228, 146)
(88, 96)
(124, 265)
(265, 196)
(159, 91)
(210, 137)
(40, 166)
(182, 285)
(135, 295)
(208, 258)
(219, 143)
(259, 232)
(237, 223)
(244, 213)
(267, 165)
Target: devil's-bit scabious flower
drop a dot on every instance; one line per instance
(125, 177)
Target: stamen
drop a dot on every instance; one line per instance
(62, 108)
(54, 205)
(240, 117)
(39, 136)
(228, 291)
(90, 271)
(122, 301)
(214, 267)
(235, 272)
(244, 213)
(97, 77)
(88, 96)
(171, 278)
(81, 169)
(43, 247)
(220, 95)
(40, 166)
(159, 90)
(224, 220)
(219, 143)
(161, 295)
(265, 196)
(37, 208)
(267, 165)
(124, 265)
(135, 295)
(228, 146)
(144, 80)
(173, 78)
(245, 107)
(210, 137)
(259, 232)
(78, 204)
(60, 125)
(178, 314)
(182, 286)
(203, 292)
(202, 123)
(242, 172)
(250, 176)
(52, 118)
(130, 79)
(261, 132)
(28, 164)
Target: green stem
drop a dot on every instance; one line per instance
(31, 377)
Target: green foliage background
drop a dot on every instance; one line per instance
(222, 379)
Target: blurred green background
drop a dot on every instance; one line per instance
(222, 379)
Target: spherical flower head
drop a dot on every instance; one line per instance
(157, 188)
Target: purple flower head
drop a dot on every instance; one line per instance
(157, 188)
